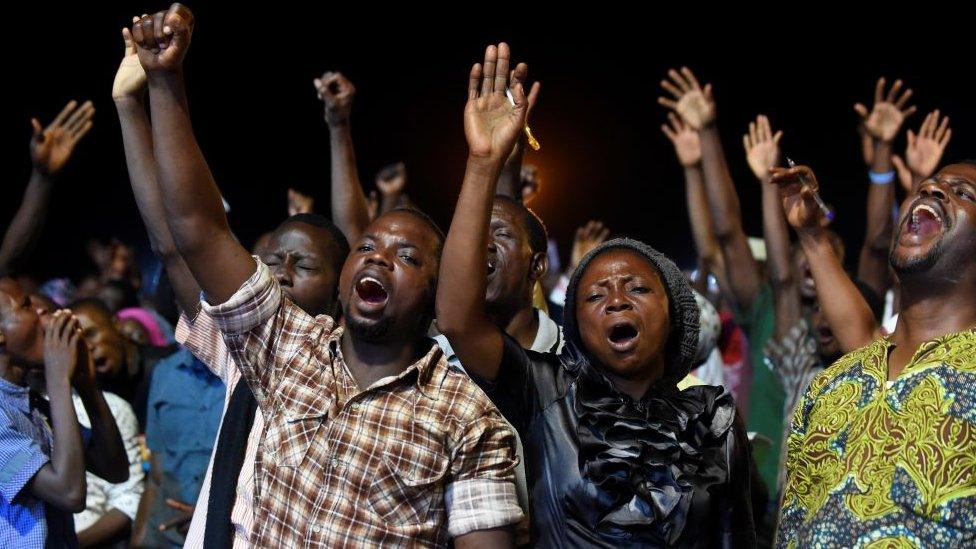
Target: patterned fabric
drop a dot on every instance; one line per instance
(203, 339)
(25, 446)
(411, 460)
(103, 496)
(878, 464)
(795, 361)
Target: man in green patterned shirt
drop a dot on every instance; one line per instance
(882, 449)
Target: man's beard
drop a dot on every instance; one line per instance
(368, 331)
(916, 264)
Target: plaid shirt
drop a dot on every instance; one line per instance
(411, 460)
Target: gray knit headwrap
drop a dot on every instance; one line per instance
(682, 344)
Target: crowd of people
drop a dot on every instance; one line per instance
(360, 378)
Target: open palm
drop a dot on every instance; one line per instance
(491, 122)
(51, 147)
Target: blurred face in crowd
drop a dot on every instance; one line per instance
(513, 268)
(101, 331)
(21, 327)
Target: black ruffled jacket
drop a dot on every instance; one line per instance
(670, 470)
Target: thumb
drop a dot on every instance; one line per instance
(898, 162)
(861, 110)
(38, 130)
(130, 46)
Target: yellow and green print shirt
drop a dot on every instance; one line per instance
(878, 464)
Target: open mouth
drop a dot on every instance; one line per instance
(101, 363)
(925, 221)
(623, 337)
(371, 291)
(825, 334)
(491, 266)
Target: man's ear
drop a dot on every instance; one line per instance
(539, 266)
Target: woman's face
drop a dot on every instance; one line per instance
(622, 314)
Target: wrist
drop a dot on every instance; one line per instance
(483, 166)
(337, 125)
(812, 236)
(56, 383)
(692, 166)
(126, 102)
(881, 178)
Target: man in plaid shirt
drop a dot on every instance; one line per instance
(370, 438)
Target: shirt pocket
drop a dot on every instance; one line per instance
(409, 483)
(289, 439)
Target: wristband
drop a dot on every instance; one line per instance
(881, 178)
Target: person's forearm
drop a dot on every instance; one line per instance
(138, 145)
(349, 211)
(108, 528)
(873, 263)
(193, 207)
(723, 205)
(462, 281)
(847, 312)
(700, 218)
(106, 455)
(141, 524)
(69, 486)
(786, 296)
(27, 222)
(389, 201)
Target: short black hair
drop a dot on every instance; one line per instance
(93, 303)
(536, 229)
(439, 246)
(322, 222)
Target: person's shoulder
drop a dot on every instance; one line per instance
(851, 364)
(465, 401)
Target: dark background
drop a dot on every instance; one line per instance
(249, 76)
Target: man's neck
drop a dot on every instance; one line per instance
(12, 372)
(523, 326)
(929, 311)
(371, 361)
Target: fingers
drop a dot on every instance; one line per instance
(777, 137)
(676, 122)
(146, 36)
(488, 69)
(533, 94)
(899, 163)
(178, 24)
(38, 129)
(80, 116)
(682, 84)
(942, 130)
(900, 104)
(474, 81)
(129, 46)
(893, 92)
(747, 143)
(928, 126)
(162, 40)
(879, 91)
(707, 91)
(667, 103)
(690, 76)
(909, 111)
(861, 110)
(945, 138)
(137, 35)
(671, 135)
(501, 69)
(752, 133)
(910, 137)
(81, 131)
(670, 88)
(65, 112)
(179, 505)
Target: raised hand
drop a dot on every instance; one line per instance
(162, 39)
(692, 102)
(492, 124)
(888, 113)
(62, 337)
(924, 150)
(51, 147)
(762, 147)
(182, 521)
(587, 237)
(130, 79)
(299, 203)
(798, 188)
(337, 92)
(687, 145)
(391, 180)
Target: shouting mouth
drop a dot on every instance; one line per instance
(925, 221)
(372, 292)
(623, 337)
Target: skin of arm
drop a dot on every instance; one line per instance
(349, 210)
(51, 149)
(149, 495)
(694, 104)
(882, 125)
(192, 203)
(127, 92)
(491, 126)
(107, 528)
(847, 312)
(61, 482)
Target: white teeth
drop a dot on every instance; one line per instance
(373, 280)
(927, 208)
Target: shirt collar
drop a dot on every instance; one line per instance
(423, 369)
(548, 338)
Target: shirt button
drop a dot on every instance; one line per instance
(335, 462)
(316, 528)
